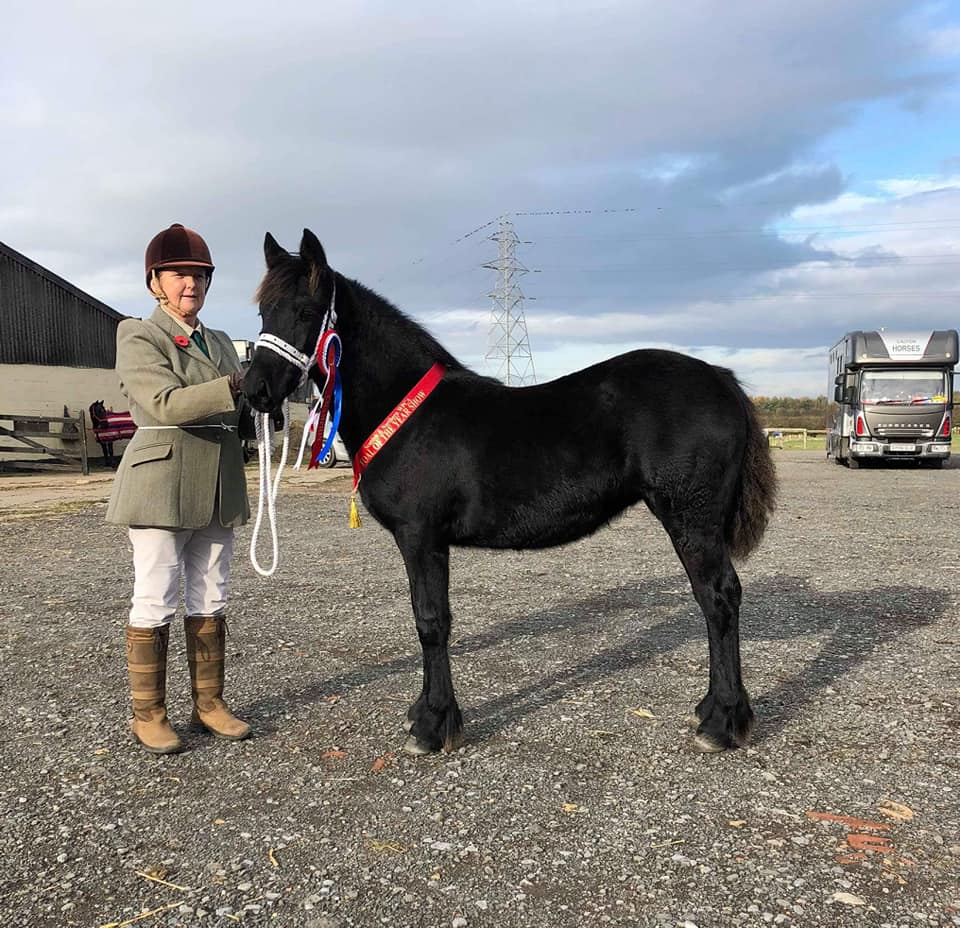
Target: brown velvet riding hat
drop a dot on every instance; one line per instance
(177, 246)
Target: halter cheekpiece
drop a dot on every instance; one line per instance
(296, 357)
(326, 356)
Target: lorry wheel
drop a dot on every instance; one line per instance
(853, 463)
(933, 463)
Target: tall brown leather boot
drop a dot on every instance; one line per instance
(206, 644)
(147, 665)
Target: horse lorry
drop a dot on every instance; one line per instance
(893, 396)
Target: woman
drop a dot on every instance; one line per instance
(180, 487)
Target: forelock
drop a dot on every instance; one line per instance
(281, 281)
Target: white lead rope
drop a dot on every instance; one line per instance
(265, 430)
(268, 492)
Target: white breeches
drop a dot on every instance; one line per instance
(162, 555)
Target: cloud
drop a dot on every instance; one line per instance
(945, 42)
(910, 186)
(657, 159)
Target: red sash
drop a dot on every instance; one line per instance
(389, 427)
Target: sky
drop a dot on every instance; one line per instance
(741, 181)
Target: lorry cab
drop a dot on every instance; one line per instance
(893, 395)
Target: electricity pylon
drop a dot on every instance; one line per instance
(509, 346)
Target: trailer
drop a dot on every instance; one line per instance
(893, 396)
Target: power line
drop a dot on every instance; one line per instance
(752, 232)
(585, 212)
(436, 251)
(832, 264)
(816, 266)
(486, 225)
(667, 236)
(791, 295)
(813, 264)
(704, 207)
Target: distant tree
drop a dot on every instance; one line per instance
(789, 412)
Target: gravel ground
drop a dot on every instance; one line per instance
(578, 799)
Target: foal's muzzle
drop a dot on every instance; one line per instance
(268, 382)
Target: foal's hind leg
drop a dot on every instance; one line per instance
(434, 719)
(724, 714)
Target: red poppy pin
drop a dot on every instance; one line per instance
(181, 340)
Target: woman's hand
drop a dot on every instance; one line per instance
(235, 379)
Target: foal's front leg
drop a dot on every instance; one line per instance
(434, 720)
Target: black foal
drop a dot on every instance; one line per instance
(482, 464)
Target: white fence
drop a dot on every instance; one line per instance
(775, 436)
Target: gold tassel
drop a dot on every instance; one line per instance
(354, 514)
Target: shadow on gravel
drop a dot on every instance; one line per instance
(858, 623)
(583, 614)
(856, 628)
(778, 608)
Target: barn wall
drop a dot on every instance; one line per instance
(32, 389)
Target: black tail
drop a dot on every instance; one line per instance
(758, 486)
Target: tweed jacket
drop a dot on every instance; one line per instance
(180, 458)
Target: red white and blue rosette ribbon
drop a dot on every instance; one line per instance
(329, 402)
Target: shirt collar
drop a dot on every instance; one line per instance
(187, 328)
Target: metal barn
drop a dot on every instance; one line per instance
(57, 356)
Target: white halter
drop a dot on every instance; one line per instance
(293, 355)
(268, 490)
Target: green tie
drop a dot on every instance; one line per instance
(200, 343)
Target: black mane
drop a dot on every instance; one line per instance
(376, 312)
(379, 312)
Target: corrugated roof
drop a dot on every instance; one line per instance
(46, 320)
(39, 269)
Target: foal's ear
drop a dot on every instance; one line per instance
(272, 251)
(312, 251)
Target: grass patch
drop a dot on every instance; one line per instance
(796, 443)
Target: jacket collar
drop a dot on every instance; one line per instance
(172, 328)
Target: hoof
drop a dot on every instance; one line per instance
(707, 745)
(722, 727)
(712, 742)
(415, 747)
(432, 730)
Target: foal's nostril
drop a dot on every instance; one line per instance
(258, 393)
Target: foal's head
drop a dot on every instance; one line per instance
(294, 298)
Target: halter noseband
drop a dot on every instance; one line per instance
(293, 355)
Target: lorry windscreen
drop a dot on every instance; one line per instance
(902, 388)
